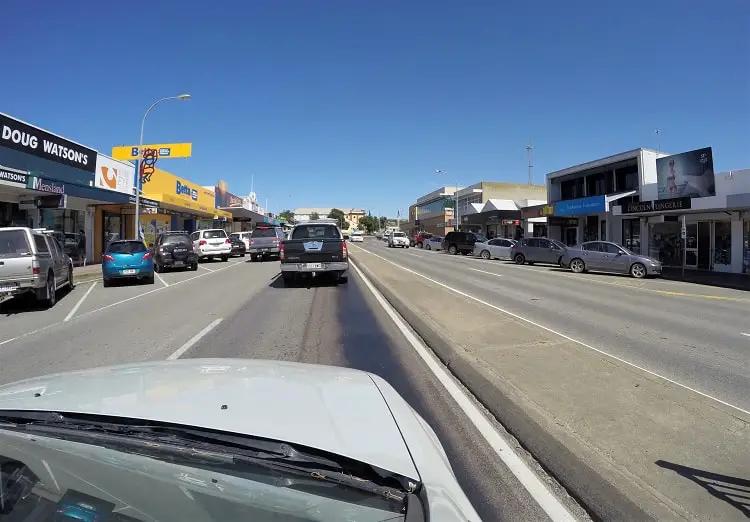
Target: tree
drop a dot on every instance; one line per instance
(338, 215)
(314, 216)
(383, 222)
(369, 223)
(287, 216)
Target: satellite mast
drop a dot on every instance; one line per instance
(529, 148)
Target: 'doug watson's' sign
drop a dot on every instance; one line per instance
(20, 136)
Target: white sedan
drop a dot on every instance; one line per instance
(398, 239)
(357, 237)
(497, 248)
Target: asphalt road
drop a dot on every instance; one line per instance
(258, 318)
(695, 335)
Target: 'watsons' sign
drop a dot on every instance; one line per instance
(15, 134)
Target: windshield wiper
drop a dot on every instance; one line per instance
(207, 448)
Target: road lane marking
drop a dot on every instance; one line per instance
(536, 488)
(485, 272)
(160, 279)
(52, 476)
(79, 303)
(8, 340)
(204, 268)
(747, 334)
(559, 334)
(197, 337)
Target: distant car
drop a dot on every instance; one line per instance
(606, 256)
(357, 237)
(238, 246)
(537, 250)
(127, 259)
(212, 243)
(242, 236)
(497, 248)
(174, 249)
(463, 242)
(398, 239)
(265, 241)
(419, 239)
(378, 235)
(434, 243)
(32, 261)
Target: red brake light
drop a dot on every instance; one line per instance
(228, 241)
(281, 251)
(107, 257)
(147, 255)
(344, 253)
(35, 267)
(251, 241)
(201, 242)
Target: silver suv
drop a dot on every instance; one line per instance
(32, 261)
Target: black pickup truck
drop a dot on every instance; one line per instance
(314, 248)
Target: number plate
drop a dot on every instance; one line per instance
(179, 263)
(313, 266)
(129, 271)
(217, 243)
(7, 288)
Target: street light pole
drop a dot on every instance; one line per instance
(140, 159)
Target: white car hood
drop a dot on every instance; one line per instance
(329, 408)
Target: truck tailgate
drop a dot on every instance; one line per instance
(313, 250)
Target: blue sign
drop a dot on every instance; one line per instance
(186, 190)
(581, 207)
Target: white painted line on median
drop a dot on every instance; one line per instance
(204, 268)
(747, 334)
(161, 279)
(52, 476)
(8, 341)
(79, 303)
(538, 490)
(197, 337)
(560, 334)
(484, 272)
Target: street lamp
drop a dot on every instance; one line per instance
(182, 97)
(455, 193)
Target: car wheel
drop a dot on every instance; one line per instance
(407, 246)
(71, 281)
(577, 265)
(420, 245)
(242, 254)
(519, 259)
(225, 258)
(428, 247)
(343, 279)
(452, 250)
(150, 279)
(638, 270)
(485, 254)
(51, 292)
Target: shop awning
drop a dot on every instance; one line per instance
(493, 216)
(241, 213)
(171, 202)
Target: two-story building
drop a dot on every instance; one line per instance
(493, 208)
(431, 213)
(582, 195)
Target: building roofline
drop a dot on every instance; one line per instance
(615, 158)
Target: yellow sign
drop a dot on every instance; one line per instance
(163, 150)
(166, 187)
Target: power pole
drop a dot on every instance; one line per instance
(529, 148)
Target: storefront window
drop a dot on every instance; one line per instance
(722, 243)
(540, 230)
(112, 229)
(603, 230)
(631, 234)
(591, 231)
(67, 226)
(664, 242)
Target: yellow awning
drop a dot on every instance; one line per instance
(218, 213)
(182, 204)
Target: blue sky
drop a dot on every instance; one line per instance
(356, 103)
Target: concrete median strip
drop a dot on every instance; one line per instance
(628, 444)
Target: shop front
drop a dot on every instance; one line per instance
(497, 223)
(584, 219)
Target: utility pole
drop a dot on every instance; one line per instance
(529, 148)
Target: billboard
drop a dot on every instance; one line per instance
(686, 175)
(163, 150)
(114, 175)
(224, 198)
(177, 189)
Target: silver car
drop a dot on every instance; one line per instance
(222, 439)
(497, 248)
(605, 256)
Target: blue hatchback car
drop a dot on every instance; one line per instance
(127, 260)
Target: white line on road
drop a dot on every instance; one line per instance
(197, 337)
(747, 334)
(560, 334)
(484, 271)
(9, 340)
(204, 268)
(79, 303)
(538, 490)
(160, 279)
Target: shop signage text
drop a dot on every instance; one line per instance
(22, 137)
(659, 205)
(13, 176)
(185, 190)
(538, 211)
(114, 175)
(582, 206)
(43, 185)
(164, 150)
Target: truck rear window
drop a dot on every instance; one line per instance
(264, 232)
(13, 243)
(316, 232)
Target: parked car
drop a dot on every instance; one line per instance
(32, 261)
(419, 239)
(537, 250)
(242, 236)
(212, 243)
(357, 237)
(238, 246)
(606, 256)
(398, 239)
(434, 243)
(265, 241)
(315, 247)
(462, 242)
(127, 259)
(174, 249)
(498, 248)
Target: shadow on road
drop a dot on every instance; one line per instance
(734, 491)
(305, 282)
(27, 303)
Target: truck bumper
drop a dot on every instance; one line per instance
(312, 267)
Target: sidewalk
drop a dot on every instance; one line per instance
(85, 274)
(719, 279)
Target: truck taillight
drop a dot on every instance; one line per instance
(343, 249)
(281, 251)
(35, 267)
(202, 242)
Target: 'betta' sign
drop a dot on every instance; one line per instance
(186, 190)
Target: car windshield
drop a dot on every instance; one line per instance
(13, 243)
(214, 234)
(176, 238)
(479, 238)
(315, 232)
(264, 232)
(126, 247)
